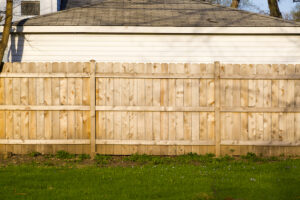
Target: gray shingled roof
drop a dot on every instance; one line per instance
(67, 4)
(168, 13)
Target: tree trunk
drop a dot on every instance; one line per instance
(235, 3)
(274, 9)
(7, 27)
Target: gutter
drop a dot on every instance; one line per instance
(155, 30)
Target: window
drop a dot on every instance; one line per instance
(30, 8)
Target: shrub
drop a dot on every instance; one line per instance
(82, 157)
(64, 155)
(34, 154)
(102, 159)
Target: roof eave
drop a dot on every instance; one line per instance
(154, 30)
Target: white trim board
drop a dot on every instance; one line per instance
(154, 30)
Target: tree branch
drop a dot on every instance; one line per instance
(7, 27)
(235, 3)
(274, 9)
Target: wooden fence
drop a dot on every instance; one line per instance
(161, 109)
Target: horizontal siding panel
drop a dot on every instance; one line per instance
(161, 48)
(175, 59)
(154, 48)
(162, 38)
(170, 53)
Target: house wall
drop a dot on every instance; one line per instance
(155, 48)
(46, 6)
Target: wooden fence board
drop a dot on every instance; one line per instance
(153, 108)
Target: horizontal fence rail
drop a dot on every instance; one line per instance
(152, 108)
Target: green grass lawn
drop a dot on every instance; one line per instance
(150, 177)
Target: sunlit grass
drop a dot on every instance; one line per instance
(153, 177)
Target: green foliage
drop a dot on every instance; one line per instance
(250, 156)
(189, 158)
(82, 157)
(102, 159)
(34, 154)
(64, 155)
(221, 180)
(225, 158)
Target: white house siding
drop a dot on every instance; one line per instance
(46, 7)
(155, 48)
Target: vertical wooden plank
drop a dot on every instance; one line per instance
(228, 102)
(32, 100)
(187, 124)
(203, 92)
(236, 117)
(244, 70)
(101, 130)
(297, 128)
(282, 86)
(275, 93)
(86, 98)
(8, 101)
(211, 126)
(71, 68)
(275, 127)
(86, 85)
(2, 115)
(179, 115)
(2, 91)
(203, 131)
(149, 102)
(109, 149)
(252, 93)
(24, 114)
(164, 116)
(244, 92)
(290, 127)
(290, 117)
(16, 101)
(195, 115)
(244, 127)
(47, 114)
(251, 126)
(117, 115)
(267, 93)
(93, 107)
(55, 87)
(217, 109)
(117, 131)
(172, 103)
(259, 126)
(125, 115)
(125, 132)
(78, 68)
(132, 131)
(2, 129)
(282, 127)
(86, 118)
(187, 116)
(101, 91)
(40, 114)
(156, 102)
(267, 126)
(260, 69)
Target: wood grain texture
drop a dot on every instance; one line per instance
(152, 108)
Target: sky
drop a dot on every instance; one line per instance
(285, 6)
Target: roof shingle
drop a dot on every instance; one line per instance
(158, 13)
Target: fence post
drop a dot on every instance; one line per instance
(217, 109)
(93, 107)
